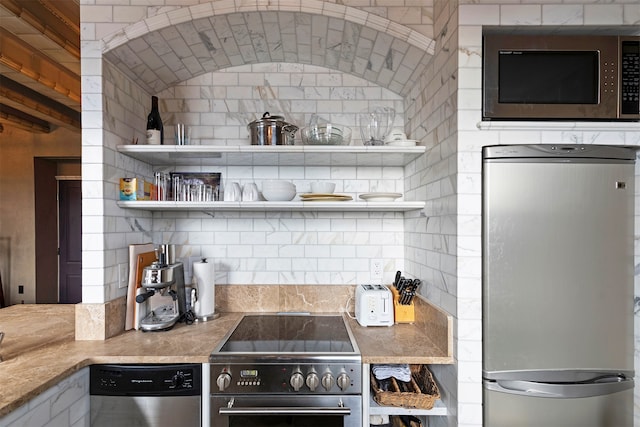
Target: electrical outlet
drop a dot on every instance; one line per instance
(377, 269)
(123, 273)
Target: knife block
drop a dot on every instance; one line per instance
(402, 313)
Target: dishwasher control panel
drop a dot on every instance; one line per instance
(146, 380)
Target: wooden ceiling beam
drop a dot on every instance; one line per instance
(20, 57)
(59, 20)
(23, 120)
(22, 98)
(68, 11)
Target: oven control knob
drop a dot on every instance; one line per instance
(296, 381)
(327, 381)
(223, 381)
(344, 381)
(313, 381)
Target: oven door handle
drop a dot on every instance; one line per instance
(286, 410)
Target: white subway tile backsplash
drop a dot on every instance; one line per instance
(474, 14)
(603, 14)
(631, 13)
(559, 14)
(520, 15)
(315, 251)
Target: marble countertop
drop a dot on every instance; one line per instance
(402, 343)
(28, 327)
(40, 350)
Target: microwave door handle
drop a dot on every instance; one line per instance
(286, 410)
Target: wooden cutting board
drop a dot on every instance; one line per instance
(144, 260)
(134, 251)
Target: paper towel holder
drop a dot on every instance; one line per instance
(196, 296)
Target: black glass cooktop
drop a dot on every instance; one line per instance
(289, 334)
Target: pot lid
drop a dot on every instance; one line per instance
(268, 118)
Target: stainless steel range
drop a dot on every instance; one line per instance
(287, 370)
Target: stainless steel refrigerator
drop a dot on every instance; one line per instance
(557, 283)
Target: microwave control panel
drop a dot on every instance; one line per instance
(630, 78)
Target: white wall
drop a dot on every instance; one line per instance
(431, 240)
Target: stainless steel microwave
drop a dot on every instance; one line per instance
(561, 77)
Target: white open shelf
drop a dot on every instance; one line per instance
(272, 155)
(346, 206)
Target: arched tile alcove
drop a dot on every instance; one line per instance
(169, 48)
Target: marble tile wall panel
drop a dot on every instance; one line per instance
(223, 120)
(219, 106)
(123, 107)
(65, 404)
(304, 298)
(255, 35)
(430, 249)
(286, 248)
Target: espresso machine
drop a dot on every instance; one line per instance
(163, 296)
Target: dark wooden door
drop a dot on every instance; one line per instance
(70, 234)
(46, 215)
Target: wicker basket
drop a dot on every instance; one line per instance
(424, 395)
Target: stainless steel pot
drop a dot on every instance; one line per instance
(271, 130)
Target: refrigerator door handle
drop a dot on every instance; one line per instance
(599, 387)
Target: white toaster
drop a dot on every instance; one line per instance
(374, 305)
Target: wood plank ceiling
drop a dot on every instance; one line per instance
(40, 64)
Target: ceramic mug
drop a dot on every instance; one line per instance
(232, 192)
(250, 192)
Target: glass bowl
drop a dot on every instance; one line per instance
(326, 134)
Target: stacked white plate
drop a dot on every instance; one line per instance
(324, 197)
(402, 143)
(380, 197)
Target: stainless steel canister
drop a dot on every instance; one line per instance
(166, 254)
(271, 130)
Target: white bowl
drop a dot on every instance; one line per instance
(323, 187)
(275, 184)
(278, 195)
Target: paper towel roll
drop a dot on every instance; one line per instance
(204, 282)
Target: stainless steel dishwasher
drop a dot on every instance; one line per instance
(146, 395)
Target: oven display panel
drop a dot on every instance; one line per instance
(249, 373)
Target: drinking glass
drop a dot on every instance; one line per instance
(182, 132)
(176, 189)
(161, 181)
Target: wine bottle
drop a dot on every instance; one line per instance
(155, 130)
